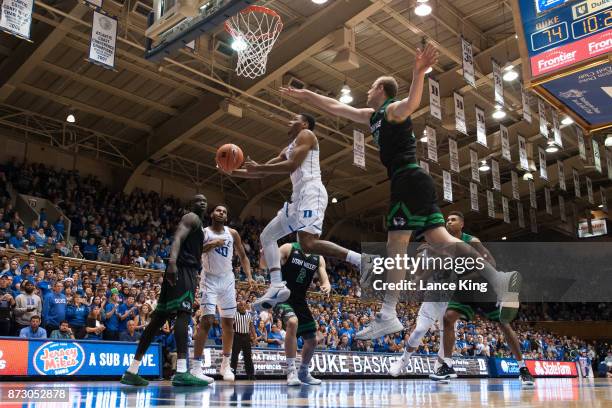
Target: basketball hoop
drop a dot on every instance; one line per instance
(254, 30)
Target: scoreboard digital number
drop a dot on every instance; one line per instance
(561, 33)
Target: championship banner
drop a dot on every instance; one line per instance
(505, 143)
(596, 228)
(543, 167)
(359, 149)
(609, 162)
(495, 173)
(448, 186)
(497, 81)
(16, 17)
(468, 62)
(589, 184)
(522, 145)
(576, 183)
(526, 99)
(424, 165)
(542, 116)
(562, 208)
(481, 129)
(435, 106)
(326, 363)
(42, 357)
(547, 200)
(515, 185)
(604, 200)
(453, 154)
(561, 168)
(532, 195)
(556, 129)
(506, 209)
(596, 156)
(521, 214)
(490, 204)
(459, 114)
(474, 165)
(473, 196)
(432, 144)
(581, 145)
(94, 3)
(541, 368)
(103, 40)
(533, 220)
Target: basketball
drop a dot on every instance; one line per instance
(229, 157)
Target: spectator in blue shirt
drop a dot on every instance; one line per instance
(215, 332)
(112, 317)
(275, 338)
(130, 334)
(60, 226)
(33, 331)
(76, 315)
(40, 238)
(127, 311)
(54, 308)
(17, 241)
(90, 250)
(346, 329)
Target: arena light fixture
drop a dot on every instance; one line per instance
(510, 73)
(527, 176)
(319, 1)
(239, 44)
(484, 166)
(334, 200)
(70, 118)
(608, 141)
(552, 147)
(429, 70)
(345, 94)
(567, 121)
(423, 138)
(504, 238)
(498, 113)
(423, 9)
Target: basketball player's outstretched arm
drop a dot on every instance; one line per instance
(400, 111)
(244, 259)
(330, 105)
(188, 222)
(243, 173)
(323, 278)
(305, 141)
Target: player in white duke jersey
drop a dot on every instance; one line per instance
(218, 289)
(306, 211)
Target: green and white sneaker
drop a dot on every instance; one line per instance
(187, 380)
(133, 379)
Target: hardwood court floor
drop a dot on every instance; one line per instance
(551, 392)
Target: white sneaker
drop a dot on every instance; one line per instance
(199, 373)
(275, 294)
(226, 372)
(380, 327)
(292, 378)
(367, 271)
(398, 365)
(509, 297)
(306, 378)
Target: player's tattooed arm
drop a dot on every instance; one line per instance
(330, 105)
(305, 141)
(400, 111)
(323, 278)
(244, 259)
(188, 222)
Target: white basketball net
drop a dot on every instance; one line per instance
(254, 30)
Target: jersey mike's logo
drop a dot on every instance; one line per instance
(58, 358)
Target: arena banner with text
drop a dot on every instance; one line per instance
(503, 367)
(16, 17)
(46, 357)
(541, 368)
(103, 40)
(327, 363)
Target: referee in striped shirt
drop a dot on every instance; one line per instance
(244, 334)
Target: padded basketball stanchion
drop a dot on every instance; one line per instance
(254, 30)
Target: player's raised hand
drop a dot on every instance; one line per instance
(250, 165)
(293, 92)
(326, 288)
(425, 58)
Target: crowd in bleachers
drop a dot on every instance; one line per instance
(63, 299)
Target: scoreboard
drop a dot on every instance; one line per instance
(565, 49)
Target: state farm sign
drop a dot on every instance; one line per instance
(540, 368)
